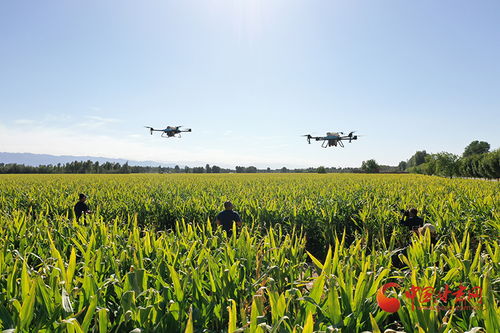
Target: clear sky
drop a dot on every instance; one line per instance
(249, 77)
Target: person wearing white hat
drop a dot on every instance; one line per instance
(396, 262)
(432, 230)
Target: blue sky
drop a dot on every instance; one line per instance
(249, 77)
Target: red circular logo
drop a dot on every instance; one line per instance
(388, 304)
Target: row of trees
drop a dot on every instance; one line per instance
(96, 167)
(72, 167)
(107, 167)
(476, 161)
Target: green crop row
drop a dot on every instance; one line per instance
(321, 204)
(311, 256)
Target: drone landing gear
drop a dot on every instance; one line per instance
(166, 135)
(329, 143)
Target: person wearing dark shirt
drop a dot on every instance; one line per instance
(226, 218)
(420, 232)
(416, 225)
(81, 207)
(411, 220)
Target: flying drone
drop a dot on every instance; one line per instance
(332, 138)
(170, 131)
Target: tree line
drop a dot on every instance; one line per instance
(88, 167)
(107, 168)
(476, 161)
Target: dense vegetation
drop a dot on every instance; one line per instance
(476, 162)
(90, 167)
(149, 258)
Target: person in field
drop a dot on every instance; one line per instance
(227, 217)
(431, 229)
(81, 207)
(411, 220)
(419, 232)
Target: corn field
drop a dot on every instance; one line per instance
(312, 254)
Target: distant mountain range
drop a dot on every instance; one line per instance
(45, 159)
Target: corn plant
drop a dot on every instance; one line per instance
(311, 256)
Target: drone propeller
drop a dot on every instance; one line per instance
(309, 137)
(353, 137)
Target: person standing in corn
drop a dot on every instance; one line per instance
(81, 207)
(411, 220)
(227, 217)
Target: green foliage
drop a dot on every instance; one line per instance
(446, 164)
(481, 166)
(123, 270)
(321, 169)
(370, 166)
(475, 148)
(250, 169)
(417, 159)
